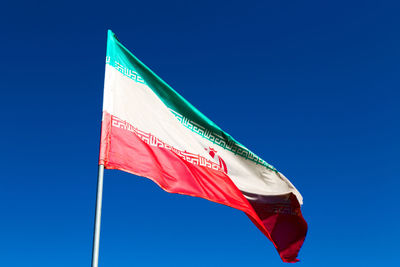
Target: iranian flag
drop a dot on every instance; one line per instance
(150, 130)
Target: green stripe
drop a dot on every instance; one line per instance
(125, 62)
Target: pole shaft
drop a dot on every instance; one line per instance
(96, 236)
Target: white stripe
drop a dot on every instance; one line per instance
(137, 104)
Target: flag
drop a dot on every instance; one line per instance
(150, 130)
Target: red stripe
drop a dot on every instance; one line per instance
(282, 218)
(124, 150)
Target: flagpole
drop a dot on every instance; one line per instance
(96, 236)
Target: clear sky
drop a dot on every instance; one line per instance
(310, 86)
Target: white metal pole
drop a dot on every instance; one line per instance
(96, 237)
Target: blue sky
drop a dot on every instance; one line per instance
(312, 87)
